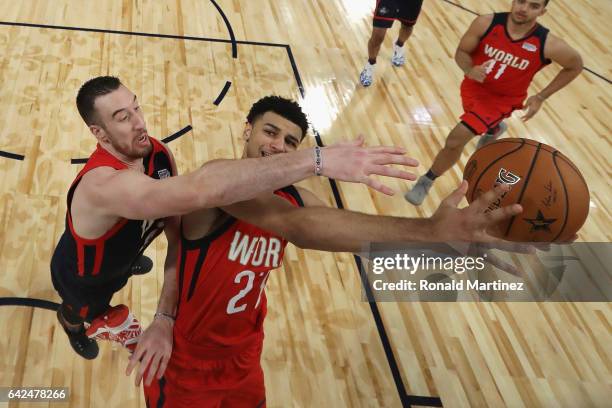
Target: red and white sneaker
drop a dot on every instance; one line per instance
(116, 324)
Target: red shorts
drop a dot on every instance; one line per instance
(230, 382)
(482, 110)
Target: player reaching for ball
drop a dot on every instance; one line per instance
(125, 196)
(500, 54)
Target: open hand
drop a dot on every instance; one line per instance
(153, 352)
(533, 105)
(471, 223)
(352, 162)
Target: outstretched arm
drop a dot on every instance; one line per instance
(331, 229)
(133, 195)
(560, 52)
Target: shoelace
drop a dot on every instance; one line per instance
(124, 336)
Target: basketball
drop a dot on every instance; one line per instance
(549, 187)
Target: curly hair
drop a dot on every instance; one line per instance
(286, 108)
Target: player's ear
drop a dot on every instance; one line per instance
(98, 132)
(246, 134)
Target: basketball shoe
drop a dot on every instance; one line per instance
(492, 135)
(116, 324)
(81, 344)
(419, 190)
(398, 58)
(367, 75)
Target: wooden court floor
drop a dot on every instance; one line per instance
(322, 347)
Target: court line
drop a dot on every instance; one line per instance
(140, 34)
(600, 76)
(30, 302)
(223, 92)
(177, 134)
(462, 8)
(10, 155)
(229, 29)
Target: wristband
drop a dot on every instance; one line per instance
(163, 315)
(318, 159)
(540, 97)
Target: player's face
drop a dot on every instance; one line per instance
(120, 123)
(526, 11)
(271, 134)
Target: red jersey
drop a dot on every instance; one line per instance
(221, 280)
(511, 64)
(106, 259)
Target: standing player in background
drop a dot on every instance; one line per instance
(125, 196)
(227, 253)
(500, 54)
(385, 13)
